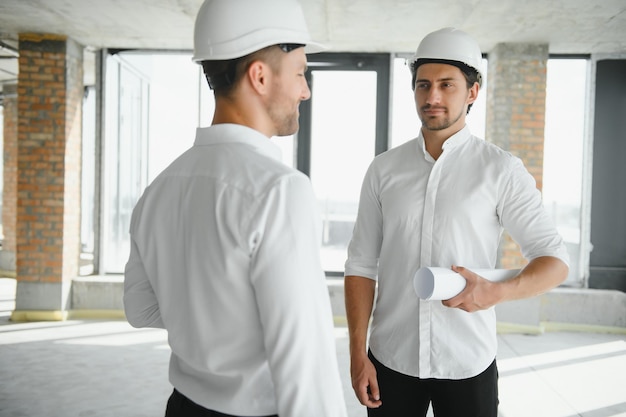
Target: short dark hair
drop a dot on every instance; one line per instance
(223, 75)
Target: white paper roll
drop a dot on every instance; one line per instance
(433, 283)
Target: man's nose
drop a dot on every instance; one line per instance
(306, 92)
(434, 96)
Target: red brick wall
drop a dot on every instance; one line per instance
(48, 158)
(516, 115)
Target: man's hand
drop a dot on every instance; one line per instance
(540, 275)
(364, 381)
(478, 294)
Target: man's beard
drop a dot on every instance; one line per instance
(286, 123)
(437, 124)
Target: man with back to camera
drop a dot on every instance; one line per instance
(225, 241)
(442, 199)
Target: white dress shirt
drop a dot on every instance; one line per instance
(415, 211)
(225, 256)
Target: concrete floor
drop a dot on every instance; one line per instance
(108, 369)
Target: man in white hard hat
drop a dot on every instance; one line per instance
(442, 199)
(225, 242)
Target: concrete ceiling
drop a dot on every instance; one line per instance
(568, 26)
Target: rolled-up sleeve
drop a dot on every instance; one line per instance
(364, 248)
(526, 220)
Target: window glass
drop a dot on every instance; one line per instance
(342, 147)
(88, 181)
(126, 158)
(563, 152)
(155, 102)
(179, 101)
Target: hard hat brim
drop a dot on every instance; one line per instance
(310, 47)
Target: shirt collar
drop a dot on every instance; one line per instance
(229, 133)
(453, 141)
(457, 139)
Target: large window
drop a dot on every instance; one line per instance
(343, 127)
(179, 102)
(125, 168)
(342, 147)
(563, 167)
(360, 106)
(154, 104)
(88, 184)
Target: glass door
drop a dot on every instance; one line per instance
(343, 126)
(126, 146)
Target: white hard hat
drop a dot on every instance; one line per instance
(228, 29)
(450, 44)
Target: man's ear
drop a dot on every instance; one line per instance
(473, 93)
(257, 74)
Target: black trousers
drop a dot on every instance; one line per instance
(180, 406)
(407, 396)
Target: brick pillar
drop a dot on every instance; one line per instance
(50, 91)
(516, 115)
(9, 190)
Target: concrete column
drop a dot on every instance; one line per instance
(516, 114)
(9, 190)
(50, 91)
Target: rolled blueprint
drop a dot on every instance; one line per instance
(433, 283)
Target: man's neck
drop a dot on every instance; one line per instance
(238, 112)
